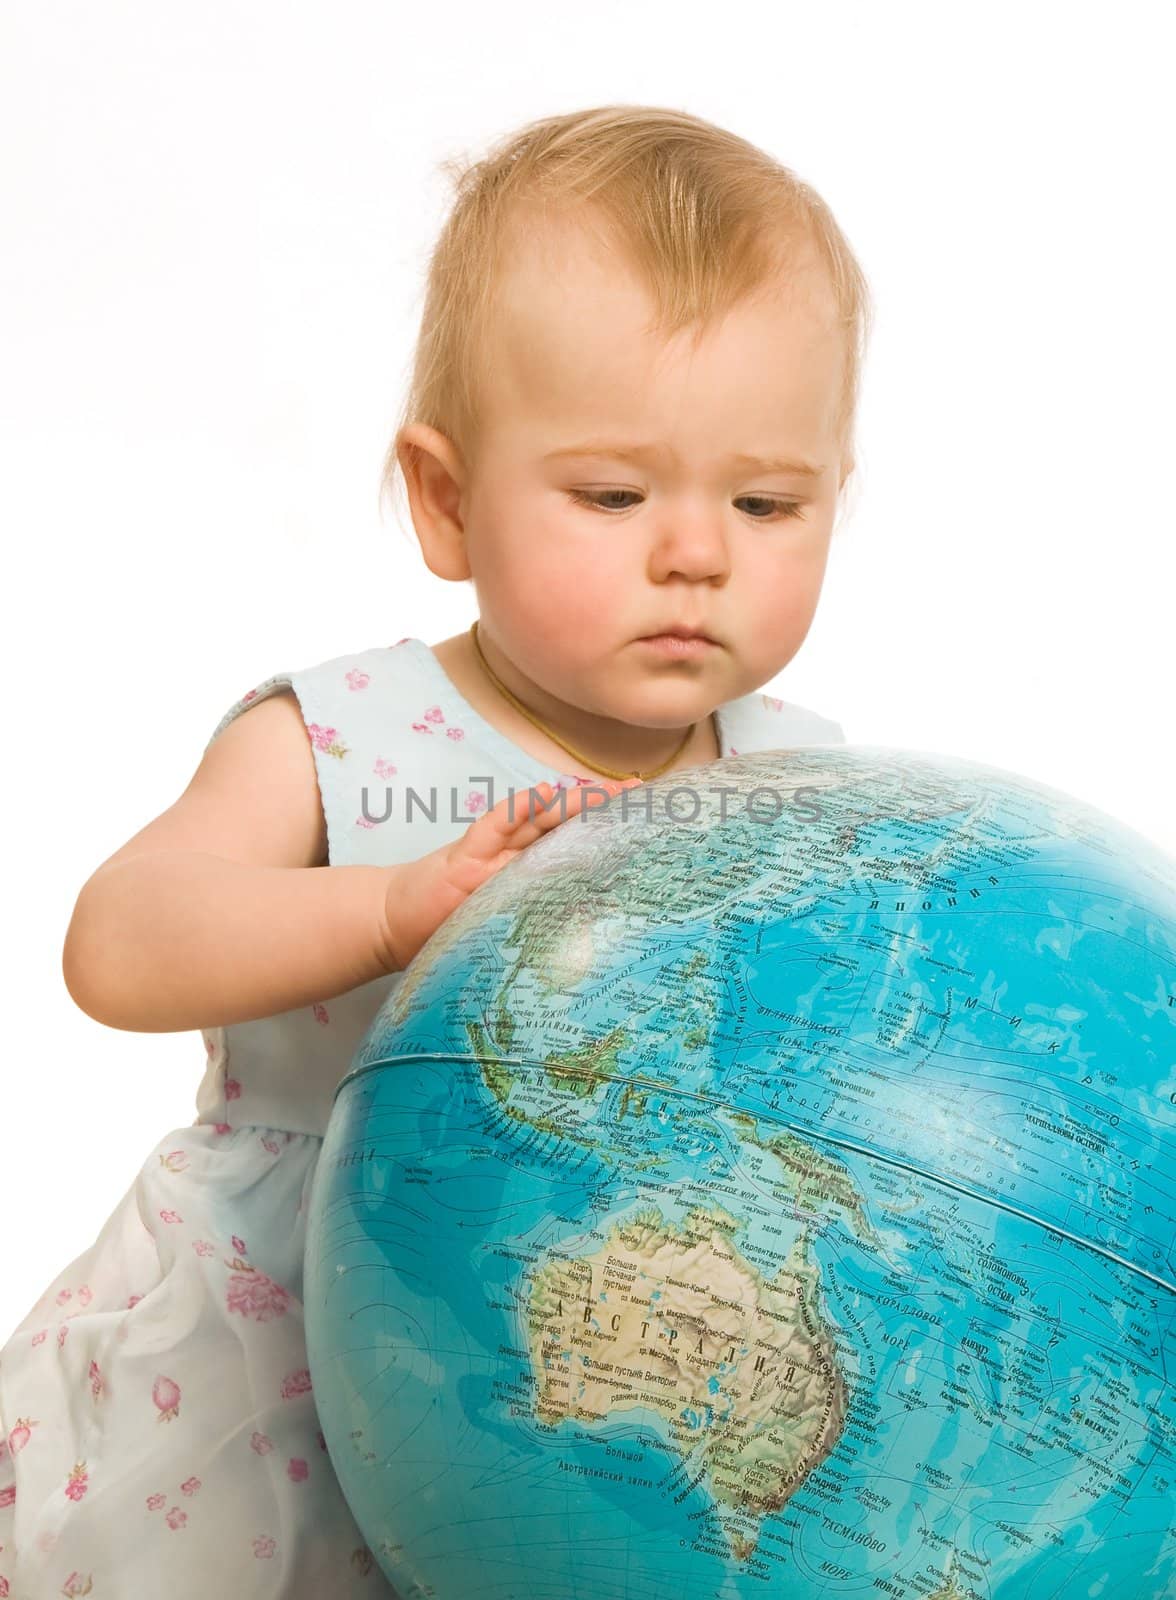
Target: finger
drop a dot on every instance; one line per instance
(497, 828)
(553, 808)
(519, 819)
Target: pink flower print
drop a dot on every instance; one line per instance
(296, 1383)
(232, 1089)
(175, 1161)
(475, 801)
(262, 1443)
(21, 1434)
(97, 1381)
(85, 1294)
(401, 641)
(271, 1145)
(156, 1502)
(297, 1470)
(190, 1486)
(245, 698)
(327, 740)
(434, 714)
(7, 1497)
(421, 727)
(79, 1482)
(75, 1585)
(255, 1296)
(203, 1248)
(3, 1589)
(170, 1216)
(773, 703)
(176, 1518)
(209, 1044)
(61, 1333)
(455, 733)
(264, 1547)
(133, 1301)
(361, 1560)
(39, 1338)
(239, 1245)
(66, 1294)
(357, 679)
(320, 1013)
(222, 1127)
(166, 1394)
(384, 769)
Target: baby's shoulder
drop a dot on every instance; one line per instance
(374, 727)
(375, 689)
(760, 721)
(368, 688)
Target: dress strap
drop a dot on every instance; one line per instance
(252, 697)
(760, 721)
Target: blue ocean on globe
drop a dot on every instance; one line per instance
(765, 1186)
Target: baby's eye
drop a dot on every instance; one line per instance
(595, 497)
(784, 508)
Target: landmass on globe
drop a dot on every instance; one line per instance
(742, 1368)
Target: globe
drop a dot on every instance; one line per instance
(764, 1186)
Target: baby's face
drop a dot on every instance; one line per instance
(577, 551)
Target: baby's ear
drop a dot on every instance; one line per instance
(421, 449)
(434, 477)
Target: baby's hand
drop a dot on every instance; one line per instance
(421, 894)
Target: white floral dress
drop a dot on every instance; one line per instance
(158, 1431)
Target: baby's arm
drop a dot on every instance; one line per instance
(208, 915)
(220, 910)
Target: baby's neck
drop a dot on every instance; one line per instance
(468, 677)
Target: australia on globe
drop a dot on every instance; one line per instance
(765, 1185)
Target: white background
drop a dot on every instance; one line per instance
(216, 220)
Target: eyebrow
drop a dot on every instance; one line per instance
(640, 452)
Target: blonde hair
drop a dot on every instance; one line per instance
(703, 217)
